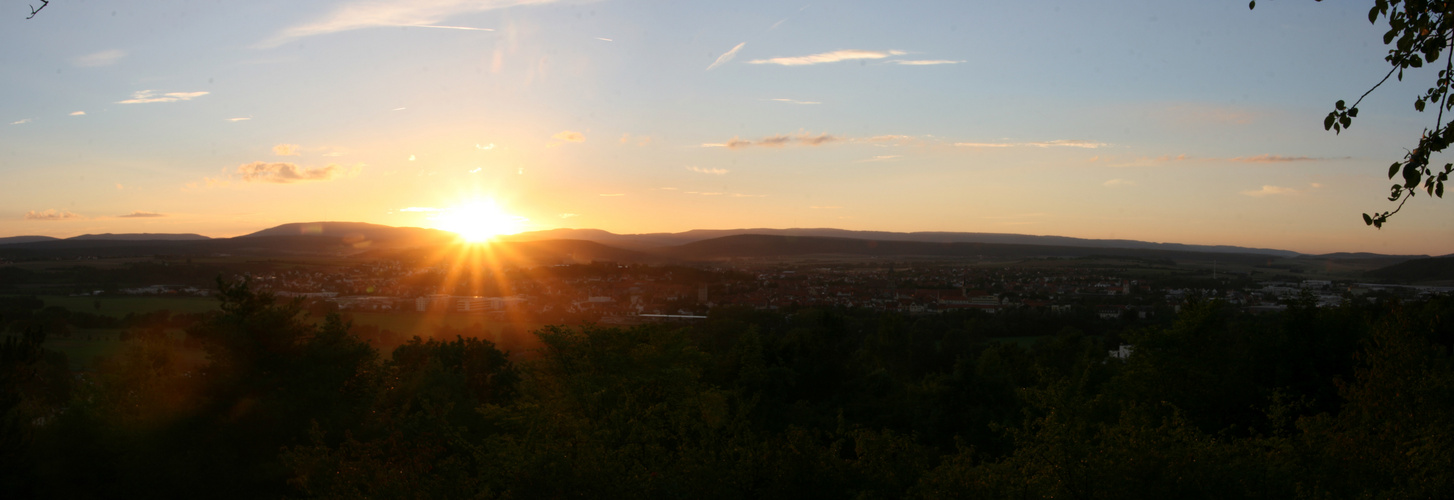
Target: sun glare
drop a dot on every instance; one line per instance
(478, 221)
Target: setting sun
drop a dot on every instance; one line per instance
(478, 220)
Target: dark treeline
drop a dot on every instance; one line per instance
(1348, 402)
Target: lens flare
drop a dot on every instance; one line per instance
(478, 221)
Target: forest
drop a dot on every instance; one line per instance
(1354, 401)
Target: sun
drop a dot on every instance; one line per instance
(478, 221)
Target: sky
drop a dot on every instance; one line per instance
(1169, 121)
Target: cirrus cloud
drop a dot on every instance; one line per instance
(710, 171)
(726, 56)
(569, 136)
(777, 141)
(151, 96)
(373, 14)
(922, 62)
(829, 57)
(102, 58)
(1270, 191)
(1062, 143)
(51, 214)
(287, 173)
(138, 214)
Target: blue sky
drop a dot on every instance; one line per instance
(1191, 122)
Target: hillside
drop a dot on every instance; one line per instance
(655, 240)
(756, 246)
(139, 237)
(25, 239)
(1427, 270)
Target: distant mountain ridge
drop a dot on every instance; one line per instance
(140, 236)
(367, 240)
(653, 240)
(352, 230)
(25, 239)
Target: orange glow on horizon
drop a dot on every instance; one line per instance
(478, 221)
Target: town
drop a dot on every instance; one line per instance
(630, 293)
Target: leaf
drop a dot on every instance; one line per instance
(1372, 18)
(1393, 170)
(1353, 112)
(1439, 189)
(1252, 5)
(1412, 175)
(1328, 122)
(1345, 120)
(1367, 220)
(1339, 105)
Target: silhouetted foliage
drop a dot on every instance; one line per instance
(1342, 402)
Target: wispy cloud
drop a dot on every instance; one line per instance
(613, 194)
(1118, 183)
(881, 140)
(922, 62)
(21, 121)
(240, 119)
(287, 173)
(419, 209)
(640, 140)
(1274, 159)
(829, 57)
(1163, 160)
(151, 96)
(604, 39)
(141, 215)
(825, 207)
(740, 195)
(1147, 161)
(568, 215)
(795, 101)
(1040, 144)
(878, 158)
(569, 136)
(484, 148)
(776, 141)
(102, 58)
(726, 57)
(373, 14)
(711, 171)
(51, 214)
(78, 113)
(286, 150)
(1270, 191)
(466, 28)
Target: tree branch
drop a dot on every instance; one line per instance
(34, 11)
(1375, 87)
